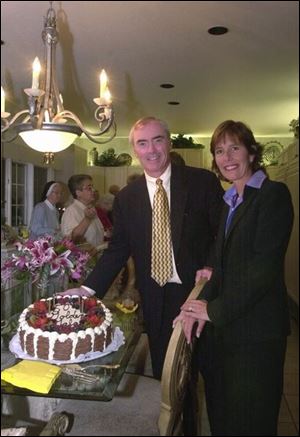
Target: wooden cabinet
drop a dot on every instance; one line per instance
(104, 177)
(288, 172)
(192, 157)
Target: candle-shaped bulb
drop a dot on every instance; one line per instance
(36, 68)
(103, 83)
(107, 95)
(2, 100)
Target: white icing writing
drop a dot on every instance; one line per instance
(65, 314)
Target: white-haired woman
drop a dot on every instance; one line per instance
(45, 216)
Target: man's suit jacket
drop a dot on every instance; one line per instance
(196, 203)
(247, 296)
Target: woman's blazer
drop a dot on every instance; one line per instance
(247, 296)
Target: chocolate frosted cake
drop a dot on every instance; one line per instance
(64, 327)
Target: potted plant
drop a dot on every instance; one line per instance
(182, 142)
(294, 127)
(109, 158)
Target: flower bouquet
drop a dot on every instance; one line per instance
(46, 258)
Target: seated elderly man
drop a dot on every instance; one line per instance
(80, 220)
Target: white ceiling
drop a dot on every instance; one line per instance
(249, 74)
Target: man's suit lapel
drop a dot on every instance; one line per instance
(144, 209)
(178, 200)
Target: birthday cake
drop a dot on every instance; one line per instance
(64, 327)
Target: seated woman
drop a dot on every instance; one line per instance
(45, 217)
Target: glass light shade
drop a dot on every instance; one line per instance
(51, 138)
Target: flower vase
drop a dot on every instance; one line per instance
(15, 296)
(57, 284)
(36, 291)
(45, 287)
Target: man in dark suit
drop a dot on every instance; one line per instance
(195, 199)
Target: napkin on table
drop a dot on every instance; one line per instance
(34, 375)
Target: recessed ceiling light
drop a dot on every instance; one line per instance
(167, 85)
(173, 103)
(218, 30)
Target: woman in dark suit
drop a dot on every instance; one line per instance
(242, 312)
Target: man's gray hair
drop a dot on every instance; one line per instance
(143, 122)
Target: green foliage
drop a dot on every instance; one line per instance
(182, 142)
(294, 127)
(107, 158)
(110, 159)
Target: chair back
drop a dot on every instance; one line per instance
(175, 377)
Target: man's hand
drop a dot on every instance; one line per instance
(75, 291)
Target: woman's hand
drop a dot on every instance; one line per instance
(90, 212)
(189, 315)
(206, 272)
(187, 324)
(196, 308)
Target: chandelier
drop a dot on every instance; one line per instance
(46, 126)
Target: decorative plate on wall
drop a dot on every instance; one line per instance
(271, 151)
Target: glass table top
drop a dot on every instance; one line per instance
(107, 370)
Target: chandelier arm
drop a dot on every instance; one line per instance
(89, 134)
(26, 119)
(40, 119)
(8, 124)
(101, 119)
(50, 38)
(104, 113)
(9, 140)
(52, 55)
(104, 141)
(59, 102)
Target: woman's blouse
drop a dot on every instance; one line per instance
(71, 218)
(44, 220)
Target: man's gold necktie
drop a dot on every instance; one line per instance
(161, 254)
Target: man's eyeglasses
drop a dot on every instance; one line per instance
(88, 188)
